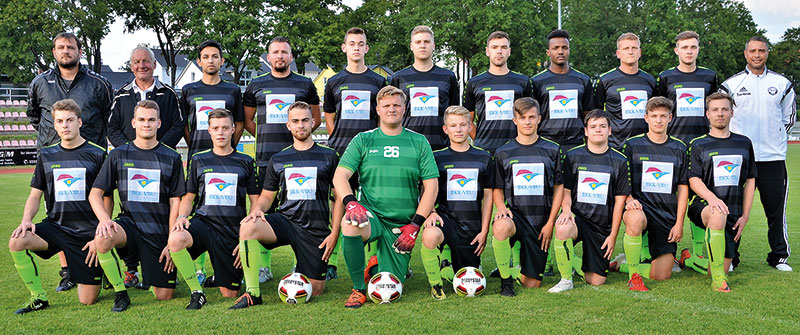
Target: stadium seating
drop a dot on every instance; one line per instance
(6, 128)
(31, 143)
(6, 144)
(30, 128)
(15, 114)
(23, 115)
(14, 143)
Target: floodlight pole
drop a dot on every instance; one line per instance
(559, 14)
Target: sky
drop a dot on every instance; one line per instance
(775, 16)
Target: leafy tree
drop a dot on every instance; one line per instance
(90, 20)
(785, 56)
(27, 28)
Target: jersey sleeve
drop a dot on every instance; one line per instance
(191, 177)
(599, 94)
(107, 177)
(177, 184)
(488, 174)
(455, 98)
(622, 181)
(558, 174)
(184, 104)
(313, 95)
(330, 100)
(789, 107)
(498, 179)
(427, 163)
(469, 97)
(252, 178)
(238, 109)
(271, 178)
(39, 178)
(587, 100)
(683, 169)
(695, 166)
(249, 96)
(351, 159)
(566, 168)
(751, 168)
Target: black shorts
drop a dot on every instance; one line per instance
(593, 259)
(220, 248)
(658, 235)
(462, 253)
(305, 246)
(152, 270)
(695, 212)
(531, 256)
(59, 240)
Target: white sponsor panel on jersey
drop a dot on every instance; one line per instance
(633, 103)
(727, 170)
(462, 184)
(220, 188)
(301, 183)
(563, 104)
(424, 101)
(690, 102)
(278, 107)
(593, 187)
(355, 105)
(70, 184)
(657, 177)
(528, 178)
(203, 108)
(499, 104)
(144, 185)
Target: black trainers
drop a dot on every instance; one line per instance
(209, 282)
(140, 285)
(66, 283)
(495, 273)
(246, 300)
(34, 305)
(121, 301)
(197, 301)
(332, 273)
(507, 287)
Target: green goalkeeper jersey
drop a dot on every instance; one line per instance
(390, 169)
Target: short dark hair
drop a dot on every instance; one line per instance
(69, 36)
(498, 34)
(149, 104)
(659, 102)
(522, 105)
(220, 113)
(558, 33)
(209, 43)
(354, 31)
(756, 38)
(279, 39)
(685, 35)
(720, 96)
(300, 105)
(68, 105)
(596, 114)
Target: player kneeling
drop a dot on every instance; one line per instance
(528, 189)
(301, 177)
(461, 219)
(218, 181)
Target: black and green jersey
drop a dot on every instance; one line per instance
(656, 171)
(352, 97)
(624, 96)
(462, 178)
(527, 174)
(221, 184)
(562, 100)
(271, 98)
(595, 179)
(198, 100)
(303, 180)
(492, 98)
(688, 91)
(724, 165)
(146, 180)
(65, 176)
(390, 170)
(429, 94)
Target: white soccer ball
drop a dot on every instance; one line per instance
(294, 287)
(384, 287)
(469, 282)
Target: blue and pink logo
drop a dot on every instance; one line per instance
(562, 99)
(634, 100)
(218, 183)
(527, 174)
(728, 166)
(206, 109)
(461, 179)
(278, 103)
(353, 100)
(689, 98)
(424, 97)
(656, 172)
(498, 100)
(593, 183)
(69, 180)
(142, 180)
(299, 178)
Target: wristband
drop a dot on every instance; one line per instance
(418, 219)
(182, 216)
(348, 198)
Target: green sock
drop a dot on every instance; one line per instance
(430, 260)
(632, 245)
(697, 264)
(502, 256)
(549, 263)
(28, 269)
(200, 262)
(447, 273)
(716, 255)
(334, 259)
(370, 249)
(250, 251)
(515, 253)
(353, 250)
(698, 240)
(643, 267)
(645, 249)
(266, 256)
(109, 261)
(446, 254)
(183, 261)
(564, 255)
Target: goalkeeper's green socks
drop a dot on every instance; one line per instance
(353, 250)
(28, 269)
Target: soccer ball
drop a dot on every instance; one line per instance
(469, 282)
(294, 288)
(384, 287)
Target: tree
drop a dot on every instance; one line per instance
(785, 56)
(27, 28)
(90, 20)
(387, 32)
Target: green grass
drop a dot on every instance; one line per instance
(763, 300)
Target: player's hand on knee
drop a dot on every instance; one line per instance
(106, 229)
(254, 214)
(718, 206)
(504, 213)
(165, 257)
(633, 205)
(181, 224)
(354, 213)
(739, 227)
(433, 220)
(237, 261)
(91, 255)
(565, 218)
(23, 228)
(408, 235)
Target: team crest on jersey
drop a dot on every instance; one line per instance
(277, 107)
(144, 185)
(301, 183)
(204, 108)
(220, 189)
(424, 101)
(727, 170)
(499, 105)
(355, 105)
(657, 177)
(462, 184)
(563, 104)
(70, 184)
(633, 103)
(593, 187)
(528, 178)
(690, 102)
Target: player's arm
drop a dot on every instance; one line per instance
(408, 233)
(700, 188)
(676, 233)
(315, 113)
(28, 213)
(789, 108)
(174, 207)
(260, 205)
(473, 131)
(105, 226)
(616, 219)
(249, 119)
(499, 199)
(329, 244)
(547, 231)
(566, 208)
(486, 210)
(184, 210)
(329, 124)
(747, 204)
(341, 181)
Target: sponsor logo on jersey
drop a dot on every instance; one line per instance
(727, 166)
(462, 184)
(563, 104)
(690, 102)
(354, 100)
(144, 185)
(204, 108)
(277, 107)
(301, 183)
(461, 180)
(355, 105)
(142, 180)
(528, 175)
(423, 97)
(727, 170)
(656, 172)
(689, 97)
(221, 190)
(772, 90)
(633, 100)
(424, 101)
(743, 91)
(593, 187)
(219, 184)
(70, 184)
(593, 183)
(278, 103)
(499, 105)
(633, 103)
(299, 178)
(657, 177)
(498, 100)
(68, 180)
(562, 100)
(528, 178)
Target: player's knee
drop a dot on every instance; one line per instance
(634, 222)
(16, 244)
(502, 229)
(530, 282)
(163, 293)
(595, 280)
(317, 287)
(350, 230)
(567, 231)
(178, 241)
(103, 245)
(228, 293)
(248, 230)
(432, 237)
(87, 300)
(660, 275)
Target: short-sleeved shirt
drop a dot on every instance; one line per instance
(146, 180)
(527, 174)
(656, 171)
(562, 100)
(724, 165)
(352, 97)
(492, 98)
(221, 184)
(688, 91)
(624, 96)
(65, 176)
(271, 97)
(390, 169)
(198, 100)
(462, 178)
(303, 181)
(595, 179)
(428, 95)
